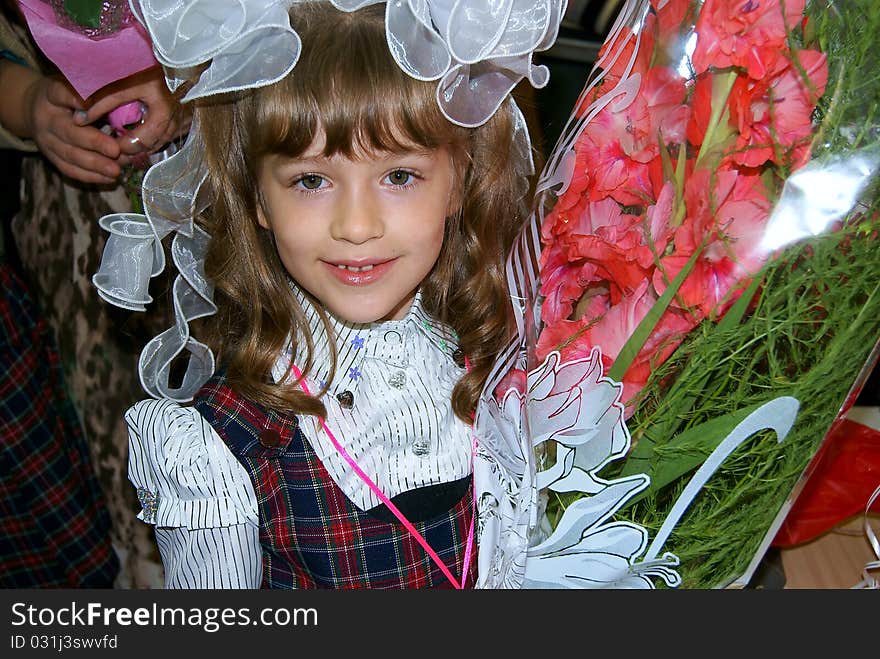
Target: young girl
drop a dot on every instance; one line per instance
(357, 248)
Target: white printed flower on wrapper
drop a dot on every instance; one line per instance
(504, 490)
(573, 404)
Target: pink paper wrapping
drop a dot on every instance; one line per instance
(88, 64)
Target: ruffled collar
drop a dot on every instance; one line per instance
(388, 404)
(391, 342)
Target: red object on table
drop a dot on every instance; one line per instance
(846, 472)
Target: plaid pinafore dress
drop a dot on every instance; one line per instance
(311, 534)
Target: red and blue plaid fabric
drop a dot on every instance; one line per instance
(54, 528)
(311, 534)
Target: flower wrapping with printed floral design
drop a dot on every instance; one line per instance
(700, 271)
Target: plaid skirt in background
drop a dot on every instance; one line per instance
(54, 526)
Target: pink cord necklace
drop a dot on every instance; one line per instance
(394, 509)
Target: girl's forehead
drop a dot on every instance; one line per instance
(358, 150)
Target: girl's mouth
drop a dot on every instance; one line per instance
(359, 273)
(354, 268)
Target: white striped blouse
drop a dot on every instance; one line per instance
(199, 497)
(400, 430)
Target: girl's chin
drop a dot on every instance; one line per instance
(365, 313)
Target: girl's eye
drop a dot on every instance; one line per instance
(400, 177)
(310, 181)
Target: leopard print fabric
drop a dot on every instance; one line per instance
(60, 244)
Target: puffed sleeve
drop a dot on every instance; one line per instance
(199, 497)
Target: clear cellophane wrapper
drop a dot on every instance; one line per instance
(697, 289)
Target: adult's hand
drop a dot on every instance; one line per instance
(81, 152)
(164, 119)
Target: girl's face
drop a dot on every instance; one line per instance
(360, 235)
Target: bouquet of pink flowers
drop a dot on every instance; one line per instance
(672, 194)
(705, 246)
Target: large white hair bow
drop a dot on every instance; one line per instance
(477, 50)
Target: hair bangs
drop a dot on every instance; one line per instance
(347, 89)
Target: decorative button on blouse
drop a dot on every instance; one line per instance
(150, 504)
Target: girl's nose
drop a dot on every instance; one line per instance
(358, 219)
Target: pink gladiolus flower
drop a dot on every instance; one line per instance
(621, 321)
(733, 233)
(568, 204)
(746, 33)
(615, 70)
(659, 216)
(672, 17)
(701, 110)
(602, 246)
(515, 379)
(614, 242)
(773, 115)
(563, 335)
(562, 283)
(621, 145)
(610, 328)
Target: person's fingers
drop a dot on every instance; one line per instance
(156, 130)
(74, 171)
(93, 139)
(84, 137)
(62, 95)
(147, 86)
(131, 144)
(54, 120)
(100, 105)
(85, 159)
(86, 176)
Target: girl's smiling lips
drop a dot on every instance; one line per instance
(359, 272)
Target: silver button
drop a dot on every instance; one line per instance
(346, 400)
(397, 380)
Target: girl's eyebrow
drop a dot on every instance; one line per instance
(320, 159)
(284, 159)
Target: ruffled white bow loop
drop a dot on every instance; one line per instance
(192, 297)
(133, 254)
(478, 49)
(247, 43)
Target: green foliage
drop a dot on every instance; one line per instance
(84, 12)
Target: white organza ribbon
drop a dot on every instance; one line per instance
(134, 254)
(246, 43)
(477, 50)
(868, 580)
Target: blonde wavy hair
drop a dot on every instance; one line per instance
(347, 84)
